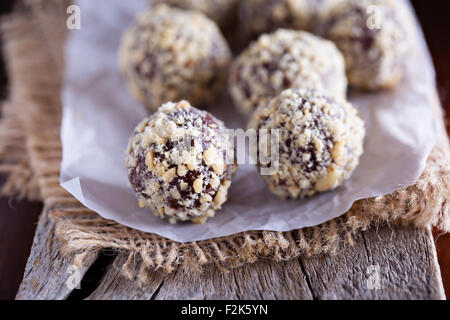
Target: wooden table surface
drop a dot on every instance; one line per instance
(380, 265)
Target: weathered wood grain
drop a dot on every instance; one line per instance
(115, 286)
(262, 280)
(385, 263)
(285, 280)
(47, 274)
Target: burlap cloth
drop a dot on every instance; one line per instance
(30, 153)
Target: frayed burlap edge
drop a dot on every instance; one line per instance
(31, 153)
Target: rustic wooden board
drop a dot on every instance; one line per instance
(48, 275)
(264, 279)
(115, 286)
(285, 280)
(384, 263)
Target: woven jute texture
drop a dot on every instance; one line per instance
(30, 152)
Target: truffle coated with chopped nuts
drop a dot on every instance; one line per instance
(321, 141)
(374, 37)
(168, 54)
(285, 59)
(263, 16)
(223, 12)
(176, 163)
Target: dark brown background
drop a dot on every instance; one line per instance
(18, 218)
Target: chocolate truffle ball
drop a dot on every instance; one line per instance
(176, 163)
(285, 59)
(221, 11)
(321, 140)
(263, 16)
(169, 54)
(373, 36)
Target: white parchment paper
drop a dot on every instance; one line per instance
(99, 116)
